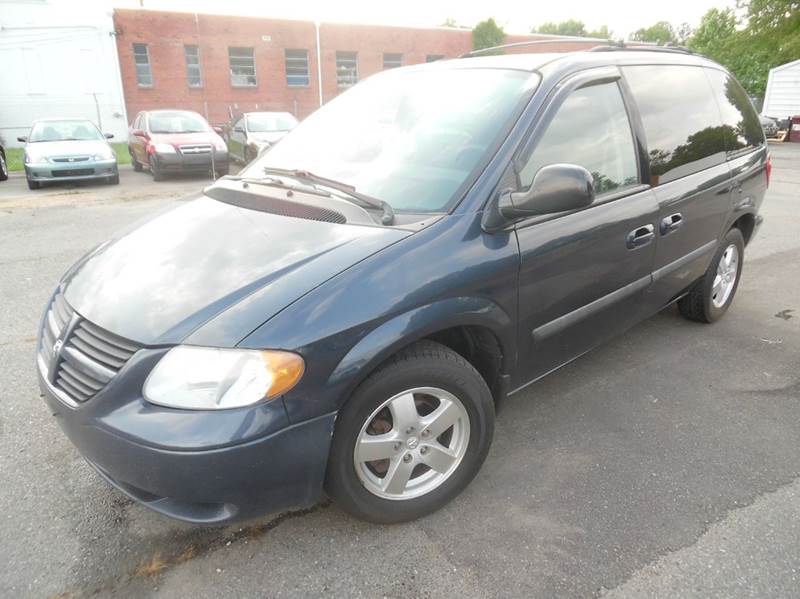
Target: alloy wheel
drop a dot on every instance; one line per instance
(725, 279)
(412, 443)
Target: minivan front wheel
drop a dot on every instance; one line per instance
(411, 438)
(712, 295)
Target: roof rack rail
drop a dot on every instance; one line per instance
(644, 47)
(564, 39)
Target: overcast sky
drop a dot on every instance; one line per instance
(517, 16)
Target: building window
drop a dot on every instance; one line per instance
(434, 57)
(392, 61)
(346, 68)
(141, 57)
(194, 73)
(243, 67)
(296, 68)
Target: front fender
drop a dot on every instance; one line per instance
(403, 329)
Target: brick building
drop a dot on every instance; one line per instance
(223, 65)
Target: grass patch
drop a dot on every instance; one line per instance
(14, 156)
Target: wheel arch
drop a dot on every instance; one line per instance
(476, 328)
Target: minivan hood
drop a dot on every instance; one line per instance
(159, 282)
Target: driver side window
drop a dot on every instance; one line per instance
(590, 129)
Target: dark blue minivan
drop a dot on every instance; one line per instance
(347, 314)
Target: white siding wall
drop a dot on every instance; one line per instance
(782, 97)
(58, 59)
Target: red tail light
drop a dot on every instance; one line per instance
(768, 168)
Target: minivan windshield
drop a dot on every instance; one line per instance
(412, 138)
(262, 122)
(64, 131)
(177, 122)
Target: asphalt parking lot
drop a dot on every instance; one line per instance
(665, 464)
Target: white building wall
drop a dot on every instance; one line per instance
(58, 58)
(782, 97)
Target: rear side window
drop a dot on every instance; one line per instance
(681, 119)
(590, 129)
(742, 126)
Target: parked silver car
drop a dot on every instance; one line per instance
(68, 150)
(254, 132)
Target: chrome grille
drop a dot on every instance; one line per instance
(77, 357)
(71, 159)
(195, 149)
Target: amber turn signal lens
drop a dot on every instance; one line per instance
(285, 368)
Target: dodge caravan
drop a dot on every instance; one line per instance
(346, 315)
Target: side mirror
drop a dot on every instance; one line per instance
(138, 133)
(22, 138)
(217, 129)
(109, 135)
(555, 188)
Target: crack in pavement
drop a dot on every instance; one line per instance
(159, 563)
(717, 563)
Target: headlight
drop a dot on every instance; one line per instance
(105, 155)
(33, 158)
(200, 378)
(164, 148)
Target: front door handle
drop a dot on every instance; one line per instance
(671, 223)
(640, 236)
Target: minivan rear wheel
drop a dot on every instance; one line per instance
(411, 437)
(712, 295)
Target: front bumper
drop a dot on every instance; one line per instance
(200, 467)
(71, 171)
(183, 163)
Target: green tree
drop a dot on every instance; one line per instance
(568, 27)
(660, 33)
(572, 27)
(487, 34)
(768, 35)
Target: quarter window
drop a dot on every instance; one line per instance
(741, 125)
(681, 119)
(590, 129)
(194, 73)
(141, 58)
(243, 67)
(296, 68)
(346, 68)
(392, 61)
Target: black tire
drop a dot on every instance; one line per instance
(114, 179)
(155, 170)
(34, 184)
(3, 167)
(424, 364)
(698, 304)
(137, 166)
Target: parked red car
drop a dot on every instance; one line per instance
(176, 141)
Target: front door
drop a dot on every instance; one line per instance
(583, 274)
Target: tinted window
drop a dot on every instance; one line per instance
(590, 129)
(681, 119)
(742, 125)
(64, 131)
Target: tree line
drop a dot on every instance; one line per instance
(750, 40)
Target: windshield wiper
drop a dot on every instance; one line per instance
(275, 182)
(345, 188)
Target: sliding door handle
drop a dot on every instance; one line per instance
(640, 236)
(671, 223)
